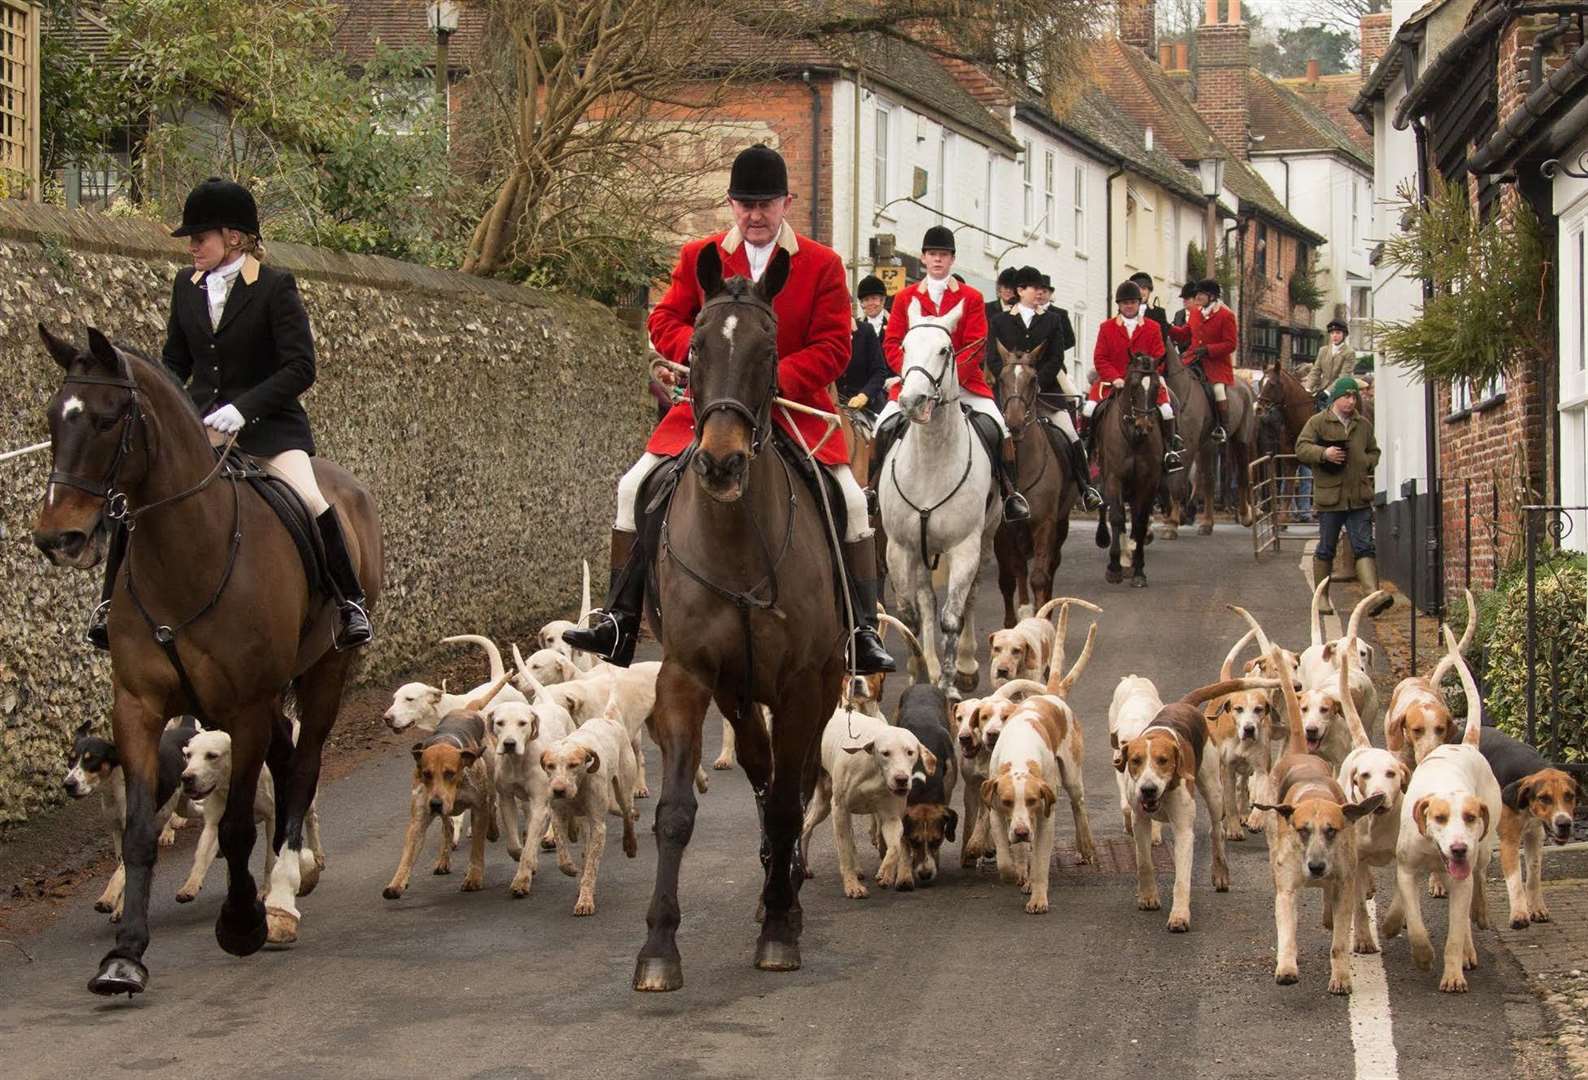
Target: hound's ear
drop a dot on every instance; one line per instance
(61, 351)
(1354, 811)
(1119, 757)
(991, 637)
(1048, 796)
(1328, 651)
(1483, 810)
(1420, 814)
(1185, 759)
(776, 276)
(419, 748)
(534, 726)
(928, 761)
(84, 729)
(708, 270)
(468, 757)
(1284, 810)
(867, 748)
(989, 791)
(595, 761)
(1406, 776)
(950, 823)
(1517, 794)
(1394, 736)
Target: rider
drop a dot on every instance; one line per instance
(1211, 333)
(938, 294)
(873, 297)
(1008, 297)
(813, 341)
(1334, 360)
(863, 383)
(239, 338)
(1024, 330)
(1118, 339)
(1152, 310)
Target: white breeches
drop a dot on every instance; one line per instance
(859, 525)
(297, 469)
(1061, 419)
(983, 405)
(1218, 391)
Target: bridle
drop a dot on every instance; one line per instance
(1130, 414)
(759, 418)
(937, 381)
(1027, 397)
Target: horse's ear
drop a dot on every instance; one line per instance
(1003, 353)
(914, 311)
(776, 276)
(951, 320)
(62, 352)
(100, 348)
(708, 270)
(1035, 355)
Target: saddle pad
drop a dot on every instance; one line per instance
(288, 506)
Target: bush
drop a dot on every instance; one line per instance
(1499, 652)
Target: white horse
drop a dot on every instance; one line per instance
(935, 497)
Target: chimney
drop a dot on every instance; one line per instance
(1182, 55)
(1166, 56)
(1223, 73)
(1374, 39)
(1138, 24)
(1312, 71)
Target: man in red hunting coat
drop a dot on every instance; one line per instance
(1208, 339)
(813, 339)
(939, 293)
(1126, 334)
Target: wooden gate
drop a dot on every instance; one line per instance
(19, 99)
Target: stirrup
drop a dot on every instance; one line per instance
(606, 638)
(871, 658)
(873, 505)
(1091, 498)
(98, 632)
(1172, 462)
(1219, 435)
(1016, 508)
(354, 629)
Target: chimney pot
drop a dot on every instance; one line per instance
(1182, 56)
(1312, 70)
(1235, 11)
(1166, 56)
(1211, 12)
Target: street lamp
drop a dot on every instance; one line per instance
(1211, 172)
(442, 18)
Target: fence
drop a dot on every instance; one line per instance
(19, 99)
(1279, 501)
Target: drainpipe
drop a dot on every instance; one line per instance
(1108, 245)
(1286, 163)
(854, 194)
(816, 154)
(1431, 542)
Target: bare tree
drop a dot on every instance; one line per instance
(1340, 14)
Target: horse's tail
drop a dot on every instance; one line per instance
(1102, 527)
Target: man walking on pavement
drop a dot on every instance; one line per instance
(1340, 448)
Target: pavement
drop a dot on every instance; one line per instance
(954, 980)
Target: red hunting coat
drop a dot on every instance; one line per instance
(1218, 333)
(1111, 357)
(970, 336)
(813, 328)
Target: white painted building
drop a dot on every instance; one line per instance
(1571, 205)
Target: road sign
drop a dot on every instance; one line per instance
(892, 277)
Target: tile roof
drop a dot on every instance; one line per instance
(401, 24)
(1333, 95)
(1097, 118)
(1144, 91)
(1283, 120)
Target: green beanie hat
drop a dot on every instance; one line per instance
(1342, 386)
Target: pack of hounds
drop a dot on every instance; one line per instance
(548, 752)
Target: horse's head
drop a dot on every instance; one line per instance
(1140, 415)
(930, 375)
(1017, 386)
(733, 371)
(95, 420)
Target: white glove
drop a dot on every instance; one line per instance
(226, 420)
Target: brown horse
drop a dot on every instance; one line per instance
(1198, 484)
(1029, 553)
(211, 574)
(1283, 408)
(749, 617)
(1130, 455)
(859, 436)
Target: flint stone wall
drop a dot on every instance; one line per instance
(491, 422)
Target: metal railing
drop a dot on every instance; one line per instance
(1281, 506)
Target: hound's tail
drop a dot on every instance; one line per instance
(492, 653)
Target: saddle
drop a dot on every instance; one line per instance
(1195, 367)
(290, 508)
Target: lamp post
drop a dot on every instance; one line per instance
(1211, 172)
(442, 18)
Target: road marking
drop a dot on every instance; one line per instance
(1372, 1030)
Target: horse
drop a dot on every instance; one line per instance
(1196, 423)
(749, 616)
(1283, 408)
(1029, 553)
(935, 496)
(201, 621)
(1130, 456)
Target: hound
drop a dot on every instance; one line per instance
(94, 765)
(550, 636)
(452, 774)
(1135, 703)
(974, 756)
(1316, 661)
(421, 705)
(928, 818)
(1312, 842)
(867, 767)
(1240, 726)
(1418, 718)
(1025, 650)
(1449, 819)
(1538, 800)
(591, 772)
(1323, 723)
(1165, 768)
(550, 667)
(520, 733)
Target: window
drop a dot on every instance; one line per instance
(1465, 396)
(1573, 369)
(1130, 224)
(1361, 319)
(879, 153)
(1080, 210)
(1026, 167)
(1265, 341)
(1050, 223)
(1301, 259)
(1304, 344)
(1356, 213)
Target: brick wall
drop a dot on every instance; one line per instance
(1222, 82)
(1373, 39)
(1138, 25)
(1516, 57)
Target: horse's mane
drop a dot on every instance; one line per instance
(145, 368)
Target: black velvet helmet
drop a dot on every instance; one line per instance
(1188, 290)
(1210, 287)
(870, 285)
(1338, 324)
(219, 204)
(1127, 291)
(1143, 281)
(1028, 277)
(938, 238)
(759, 172)
(1006, 278)
(1046, 283)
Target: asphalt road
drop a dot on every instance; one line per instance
(953, 980)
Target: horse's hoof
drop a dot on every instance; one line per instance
(1205, 529)
(658, 974)
(1171, 533)
(966, 681)
(1114, 577)
(777, 956)
(1139, 581)
(241, 934)
(282, 927)
(308, 877)
(119, 975)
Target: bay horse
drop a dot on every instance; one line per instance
(750, 616)
(935, 496)
(211, 575)
(1198, 482)
(1130, 457)
(1029, 553)
(1283, 408)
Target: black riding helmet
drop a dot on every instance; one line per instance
(1028, 277)
(1007, 278)
(1127, 291)
(1209, 287)
(1188, 291)
(870, 285)
(219, 204)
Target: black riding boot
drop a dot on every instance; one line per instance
(1091, 498)
(887, 434)
(614, 630)
(860, 564)
(353, 629)
(1015, 506)
(98, 634)
(1220, 433)
(1171, 444)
